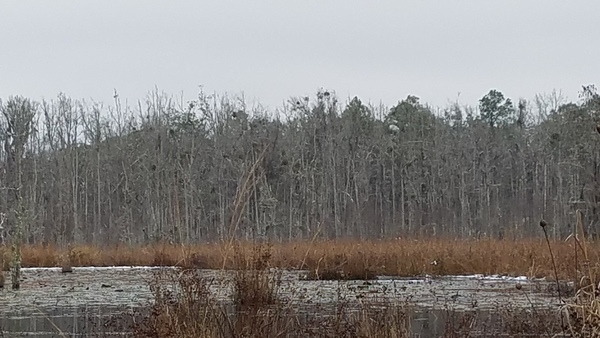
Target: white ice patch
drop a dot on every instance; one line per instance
(479, 277)
(101, 268)
(497, 277)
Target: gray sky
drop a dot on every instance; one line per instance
(271, 50)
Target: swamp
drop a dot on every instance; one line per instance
(212, 218)
(105, 302)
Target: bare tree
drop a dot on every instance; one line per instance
(19, 114)
(169, 170)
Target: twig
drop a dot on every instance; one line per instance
(240, 203)
(543, 224)
(585, 252)
(309, 246)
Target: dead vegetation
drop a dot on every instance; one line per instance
(188, 310)
(342, 259)
(184, 307)
(581, 315)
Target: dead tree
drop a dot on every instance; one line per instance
(18, 114)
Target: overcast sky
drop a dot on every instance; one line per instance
(380, 51)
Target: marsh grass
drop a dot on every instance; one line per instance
(341, 259)
(581, 314)
(255, 283)
(183, 306)
(339, 267)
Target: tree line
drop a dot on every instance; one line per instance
(73, 171)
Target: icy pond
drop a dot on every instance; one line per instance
(50, 302)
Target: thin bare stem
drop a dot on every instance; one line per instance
(543, 224)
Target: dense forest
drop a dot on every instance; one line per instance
(166, 170)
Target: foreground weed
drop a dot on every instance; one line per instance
(581, 314)
(255, 285)
(183, 307)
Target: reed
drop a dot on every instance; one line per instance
(354, 258)
(582, 313)
(184, 307)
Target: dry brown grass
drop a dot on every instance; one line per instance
(342, 258)
(184, 307)
(254, 284)
(582, 313)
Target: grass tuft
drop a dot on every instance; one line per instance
(254, 285)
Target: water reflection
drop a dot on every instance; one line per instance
(68, 322)
(117, 321)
